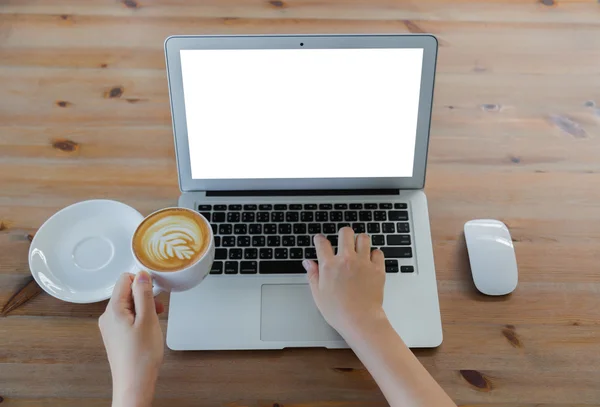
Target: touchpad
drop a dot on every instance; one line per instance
(288, 313)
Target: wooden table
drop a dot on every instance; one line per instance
(84, 113)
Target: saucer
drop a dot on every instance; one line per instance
(80, 252)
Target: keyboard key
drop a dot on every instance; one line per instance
(220, 254)
(310, 253)
(220, 207)
(314, 228)
(340, 206)
(258, 241)
(388, 228)
(370, 206)
(292, 216)
(255, 229)
(398, 240)
(365, 216)
(373, 228)
(285, 228)
(336, 216)
(249, 207)
(231, 267)
(281, 254)
(228, 241)
(235, 254)
(243, 241)
(250, 254)
(273, 241)
(295, 207)
(240, 229)
(265, 207)
(233, 217)
(350, 216)
(342, 225)
(329, 228)
(391, 266)
(217, 267)
(214, 229)
(402, 227)
(296, 253)
(299, 229)
(385, 206)
(206, 215)
(288, 241)
(281, 267)
(277, 216)
(310, 207)
(378, 240)
(380, 216)
(217, 241)
(321, 216)
(333, 239)
(398, 205)
(262, 216)
(356, 206)
(248, 267)
(248, 217)
(281, 207)
(325, 206)
(225, 229)
(270, 229)
(204, 208)
(398, 215)
(397, 252)
(407, 269)
(218, 217)
(359, 227)
(235, 207)
(266, 253)
(307, 216)
(303, 241)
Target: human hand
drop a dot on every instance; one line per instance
(133, 340)
(347, 287)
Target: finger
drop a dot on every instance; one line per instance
(159, 306)
(312, 270)
(377, 258)
(323, 247)
(143, 298)
(121, 298)
(346, 241)
(363, 245)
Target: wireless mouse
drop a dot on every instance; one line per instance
(492, 256)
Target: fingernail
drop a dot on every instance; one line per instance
(306, 265)
(143, 277)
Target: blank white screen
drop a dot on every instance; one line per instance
(302, 113)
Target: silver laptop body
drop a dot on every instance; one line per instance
(281, 137)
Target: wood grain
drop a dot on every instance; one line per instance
(84, 113)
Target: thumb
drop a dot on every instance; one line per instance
(312, 270)
(143, 298)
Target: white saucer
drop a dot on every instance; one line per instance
(80, 252)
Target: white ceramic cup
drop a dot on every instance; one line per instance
(188, 277)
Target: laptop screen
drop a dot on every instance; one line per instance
(301, 113)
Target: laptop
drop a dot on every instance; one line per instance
(281, 137)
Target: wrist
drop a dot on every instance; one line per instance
(139, 394)
(361, 325)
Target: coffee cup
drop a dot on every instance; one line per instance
(176, 247)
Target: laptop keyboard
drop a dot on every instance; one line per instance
(275, 238)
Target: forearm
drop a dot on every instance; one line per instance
(134, 395)
(399, 374)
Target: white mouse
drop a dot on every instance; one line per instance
(492, 256)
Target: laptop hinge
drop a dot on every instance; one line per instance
(305, 192)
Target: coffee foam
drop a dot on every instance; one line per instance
(171, 240)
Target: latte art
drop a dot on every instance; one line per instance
(171, 240)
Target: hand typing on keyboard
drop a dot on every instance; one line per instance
(348, 290)
(347, 286)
